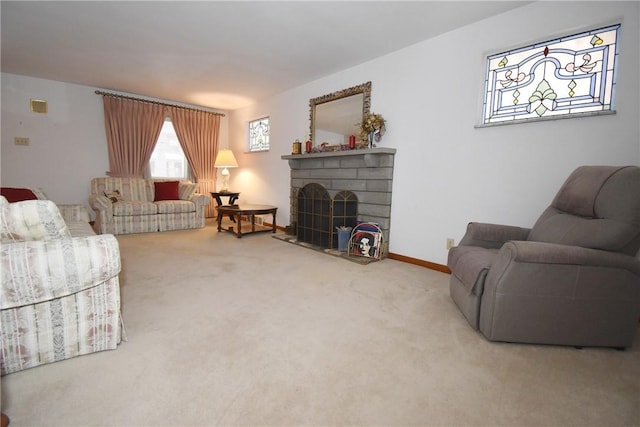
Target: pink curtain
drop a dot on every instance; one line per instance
(132, 129)
(198, 133)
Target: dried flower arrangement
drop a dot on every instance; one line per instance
(373, 125)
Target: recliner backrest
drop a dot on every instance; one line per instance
(597, 207)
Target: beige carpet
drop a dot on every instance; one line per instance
(256, 331)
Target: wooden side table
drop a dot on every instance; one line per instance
(232, 199)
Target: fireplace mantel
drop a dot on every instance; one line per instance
(367, 152)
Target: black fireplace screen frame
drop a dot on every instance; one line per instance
(319, 216)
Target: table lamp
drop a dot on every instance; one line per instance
(225, 159)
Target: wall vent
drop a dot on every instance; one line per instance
(39, 106)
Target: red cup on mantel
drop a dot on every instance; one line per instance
(308, 146)
(352, 142)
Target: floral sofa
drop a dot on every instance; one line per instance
(60, 293)
(136, 205)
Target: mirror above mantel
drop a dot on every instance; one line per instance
(336, 116)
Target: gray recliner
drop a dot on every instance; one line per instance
(572, 279)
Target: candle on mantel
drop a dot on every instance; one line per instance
(352, 142)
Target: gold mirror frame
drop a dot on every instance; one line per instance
(364, 89)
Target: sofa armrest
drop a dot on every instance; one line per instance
(99, 202)
(74, 213)
(201, 199)
(492, 236)
(36, 271)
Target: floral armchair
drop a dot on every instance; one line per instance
(60, 293)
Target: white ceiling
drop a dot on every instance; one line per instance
(222, 55)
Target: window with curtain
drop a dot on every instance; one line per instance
(168, 159)
(133, 128)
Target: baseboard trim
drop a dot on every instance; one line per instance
(420, 262)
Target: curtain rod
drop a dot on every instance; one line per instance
(115, 95)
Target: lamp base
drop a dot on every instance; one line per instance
(225, 182)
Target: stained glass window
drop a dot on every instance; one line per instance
(567, 76)
(259, 134)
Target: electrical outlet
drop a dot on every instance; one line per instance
(21, 140)
(450, 243)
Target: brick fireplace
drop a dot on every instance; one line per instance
(365, 173)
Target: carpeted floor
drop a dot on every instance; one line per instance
(256, 331)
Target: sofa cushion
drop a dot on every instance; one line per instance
(80, 228)
(131, 189)
(166, 190)
(17, 194)
(131, 208)
(31, 220)
(187, 189)
(175, 206)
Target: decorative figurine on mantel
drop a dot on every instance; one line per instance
(297, 147)
(372, 128)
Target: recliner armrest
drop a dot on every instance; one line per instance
(553, 253)
(492, 236)
(549, 293)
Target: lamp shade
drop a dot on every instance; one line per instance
(225, 159)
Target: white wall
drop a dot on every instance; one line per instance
(67, 145)
(447, 172)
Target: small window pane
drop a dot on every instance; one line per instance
(168, 159)
(259, 134)
(562, 77)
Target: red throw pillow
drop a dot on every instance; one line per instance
(17, 194)
(166, 190)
